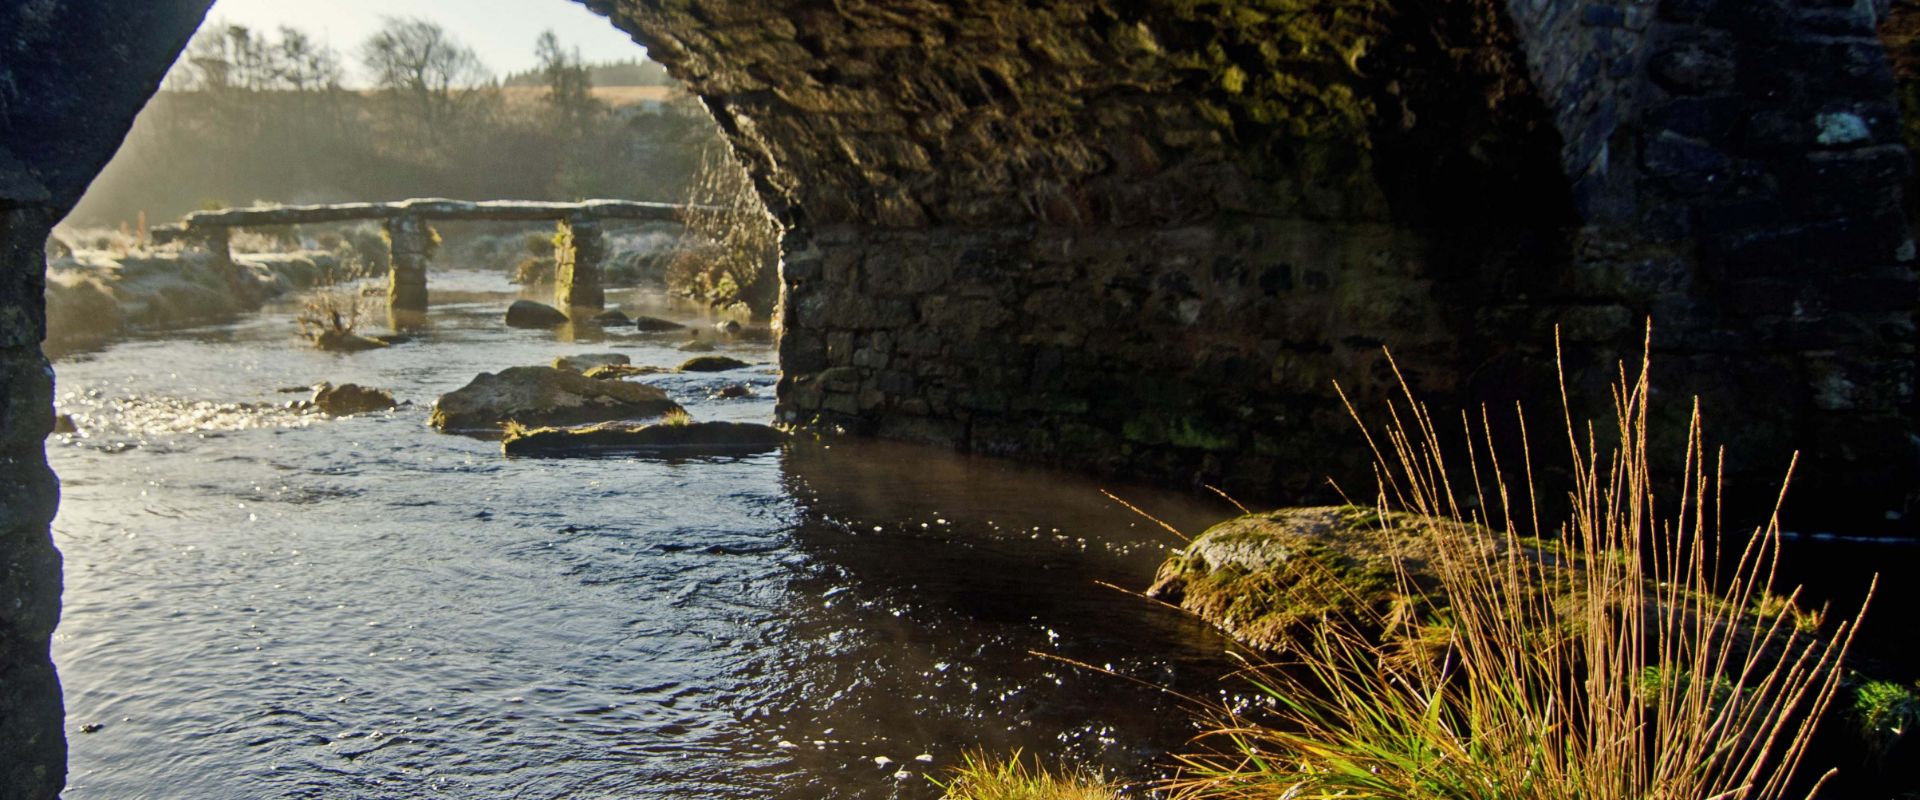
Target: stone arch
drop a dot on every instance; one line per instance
(1143, 236)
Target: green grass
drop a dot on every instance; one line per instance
(982, 778)
(1662, 680)
(1885, 712)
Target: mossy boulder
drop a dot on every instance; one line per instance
(665, 438)
(712, 364)
(545, 396)
(1264, 578)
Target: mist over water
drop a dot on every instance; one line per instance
(264, 602)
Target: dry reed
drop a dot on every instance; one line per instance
(1659, 666)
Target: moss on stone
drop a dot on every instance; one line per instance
(1264, 577)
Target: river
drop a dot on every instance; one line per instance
(263, 602)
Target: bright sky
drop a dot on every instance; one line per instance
(500, 31)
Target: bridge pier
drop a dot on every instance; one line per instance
(580, 254)
(407, 242)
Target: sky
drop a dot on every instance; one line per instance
(500, 31)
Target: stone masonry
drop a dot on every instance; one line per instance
(72, 77)
(1146, 236)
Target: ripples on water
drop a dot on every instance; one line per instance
(263, 602)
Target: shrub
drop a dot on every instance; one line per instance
(733, 254)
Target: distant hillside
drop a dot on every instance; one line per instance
(616, 97)
(636, 72)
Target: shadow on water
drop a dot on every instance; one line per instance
(267, 602)
(934, 579)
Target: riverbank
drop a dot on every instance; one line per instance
(96, 296)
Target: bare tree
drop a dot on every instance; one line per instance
(428, 72)
(569, 84)
(304, 65)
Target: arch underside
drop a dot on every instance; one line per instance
(1145, 237)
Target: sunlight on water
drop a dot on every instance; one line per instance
(262, 601)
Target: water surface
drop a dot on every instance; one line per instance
(262, 602)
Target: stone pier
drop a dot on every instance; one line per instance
(580, 255)
(580, 251)
(408, 242)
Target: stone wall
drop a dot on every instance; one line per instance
(72, 76)
(1142, 238)
(1146, 237)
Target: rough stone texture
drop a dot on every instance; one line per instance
(668, 439)
(350, 398)
(73, 74)
(1266, 579)
(580, 254)
(545, 396)
(409, 242)
(1146, 237)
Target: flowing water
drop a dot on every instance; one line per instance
(264, 602)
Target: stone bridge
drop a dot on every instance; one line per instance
(1145, 236)
(579, 252)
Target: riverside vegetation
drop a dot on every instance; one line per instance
(1442, 642)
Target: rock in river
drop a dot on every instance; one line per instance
(345, 342)
(529, 314)
(350, 398)
(655, 324)
(667, 438)
(712, 364)
(545, 396)
(1264, 578)
(615, 371)
(587, 361)
(611, 317)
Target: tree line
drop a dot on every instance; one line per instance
(248, 115)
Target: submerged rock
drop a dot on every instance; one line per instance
(615, 371)
(350, 398)
(647, 324)
(65, 424)
(610, 318)
(587, 361)
(697, 346)
(345, 342)
(731, 391)
(529, 314)
(712, 364)
(666, 438)
(545, 396)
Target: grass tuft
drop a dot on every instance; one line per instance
(979, 777)
(1671, 674)
(1885, 712)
